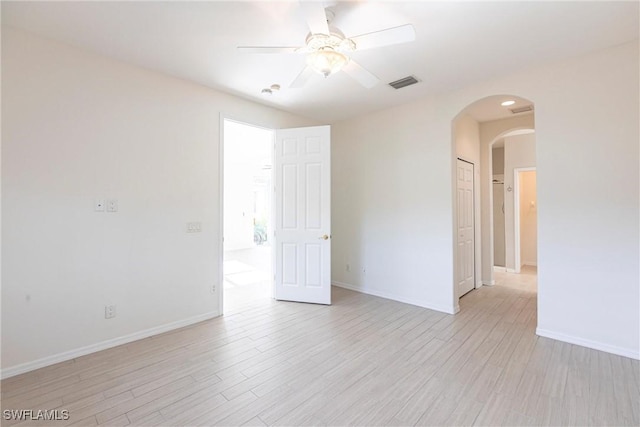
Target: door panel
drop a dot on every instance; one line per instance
(303, 215)
(465, 228)
(498, 225)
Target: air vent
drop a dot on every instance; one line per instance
(521, 109)
(407, 81)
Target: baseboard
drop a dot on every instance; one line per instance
(423, 304)
(488, 282)
(511, 270)
(530, 263)
(589, 344)
(500, 269)
(82, 351)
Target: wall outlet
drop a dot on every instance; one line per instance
(98, 205)
(109, 311)
(213, 289)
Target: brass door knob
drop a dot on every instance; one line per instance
(325, 237)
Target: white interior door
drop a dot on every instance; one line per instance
(465, 227)
(498, 225)
(303, 215)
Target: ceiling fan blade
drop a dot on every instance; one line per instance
(315, 16)
(362, 76)
(396, 35)
(267, 49)
(302, 78)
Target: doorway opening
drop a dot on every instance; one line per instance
(247, 268)
(526, 220)
(511, 153)
(497, 186)
(497, 135)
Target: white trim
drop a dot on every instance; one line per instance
(500, 269)
(423, 304)
(530, 263)
(489, 283)
(512, 270)
(114, 342)
(626, 352)
(220, 292)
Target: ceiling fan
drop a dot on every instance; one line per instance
(328, 49)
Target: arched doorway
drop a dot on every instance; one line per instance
(475, 131)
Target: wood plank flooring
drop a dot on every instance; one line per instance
(362, 361)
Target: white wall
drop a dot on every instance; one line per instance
(77, 126)
(392, 200)
(528, 219)
(391, 221)
(519, 152)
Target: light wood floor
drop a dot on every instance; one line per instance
(362, 361)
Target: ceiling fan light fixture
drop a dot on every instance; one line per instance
(327, 61)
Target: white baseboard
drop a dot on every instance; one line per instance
(512, 270)
(488, 282)
(424, 304)
(633, 354)
(530, 263)
(82, 351)
(500, 269)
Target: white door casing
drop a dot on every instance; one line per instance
(303, 215)
(465, 269)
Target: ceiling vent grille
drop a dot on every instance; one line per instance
(522, 109)
(404, 82)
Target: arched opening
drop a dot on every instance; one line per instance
(477, 130)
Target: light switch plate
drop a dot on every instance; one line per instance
(112, 205)
(194, 227)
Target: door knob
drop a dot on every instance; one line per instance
(324, 237)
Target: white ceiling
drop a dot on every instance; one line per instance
(457, 43)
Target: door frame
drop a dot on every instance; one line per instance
(516, 215)
(220, 287)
